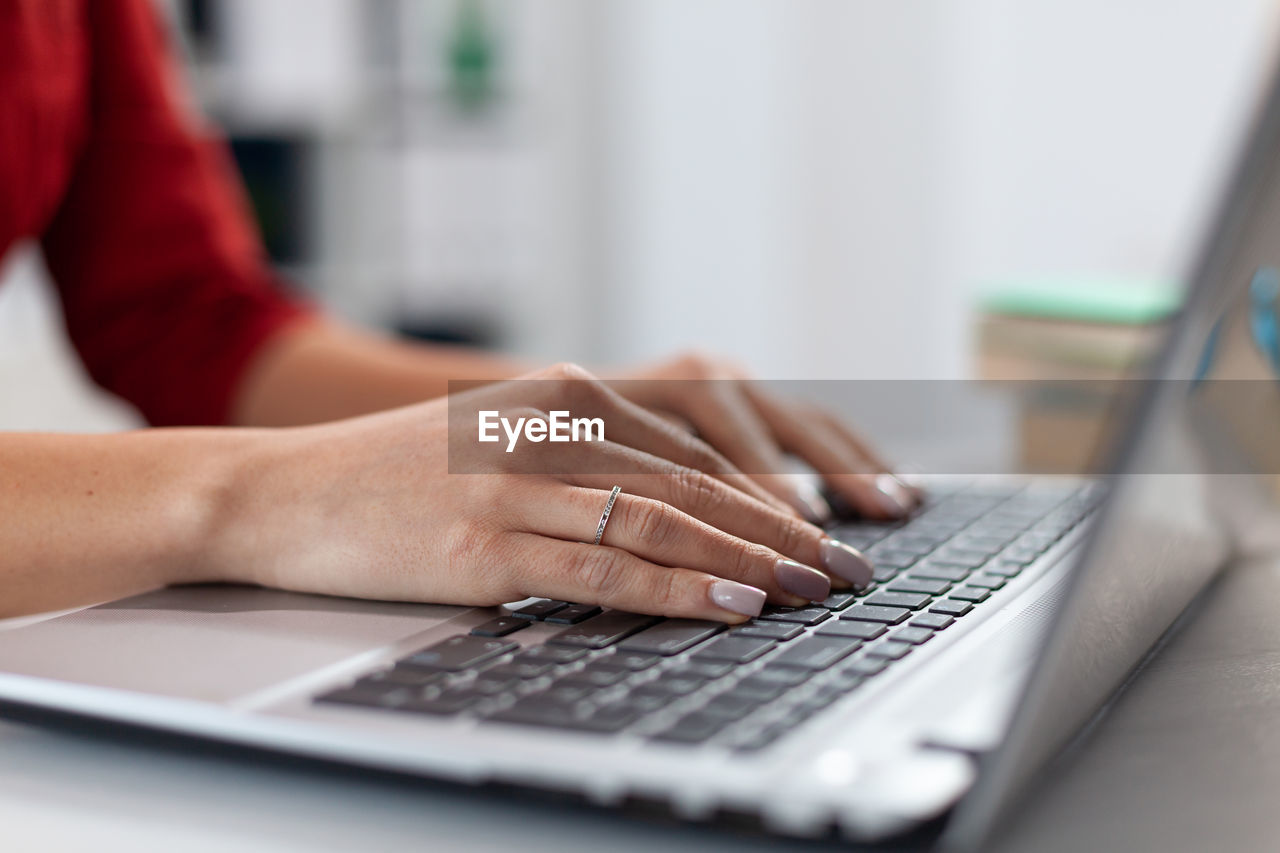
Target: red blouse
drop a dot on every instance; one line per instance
(144, 226)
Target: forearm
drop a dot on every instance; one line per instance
(322, 371)
(92, 518)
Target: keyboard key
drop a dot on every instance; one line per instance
(933, 621)
(838, 600)
(452, 701)
(940, 572)
(914, 635)
(603, 630)
(986, 581)
(404, 676)
(948, 607)
(367, 695)
(816, 652)
(573, 614)
(671, 637)
(867, 613)
(909, 600)
(491, 685)
(671, 686)
(731, 706)
(784, 675)
(865, 667)
(759, 689)
(959, 559)
(520, 668)
(801, 616)
(692, 728)
(551, 654)
(1003, 568)
(704, 670)
(458, 653)
(970, 593)
(753, 740)
(846, 681)
(773, 630)
(540, 710)
(928, 586)
(890, 649)
(884, 574)
(500, 627)
(736, 649)
(568, 693)
(608, 719)
(540, 609)
(630, 661)
(860, 630)
(594, 675)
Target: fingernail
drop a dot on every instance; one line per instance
(799, 579)
(912, 486)
(845, 561)
(810, 503)
(737, 597)
(893, 498)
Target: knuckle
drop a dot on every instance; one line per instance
(653, 521)
(667, 596)
(698, 491)
(698, 364)
(792, 535)
(567, 370)
(598, 572)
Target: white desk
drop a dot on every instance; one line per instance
(1188, 760)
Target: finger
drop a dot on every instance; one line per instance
(861, 446)
(612, 577)
(662, 534)
(644, 430)
(724, 416)
(724, 508)
(635, 426)
(843, 467)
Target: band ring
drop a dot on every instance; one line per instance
(604, 516)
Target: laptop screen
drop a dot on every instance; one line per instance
(1201, 454)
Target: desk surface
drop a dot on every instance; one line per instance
(1189, 759)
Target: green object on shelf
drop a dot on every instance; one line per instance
(1090, 299)
(473, 55)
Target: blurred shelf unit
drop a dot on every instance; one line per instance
(386, 147)
(1067, 348)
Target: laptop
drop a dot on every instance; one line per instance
(1003, 617)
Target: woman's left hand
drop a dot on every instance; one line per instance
(755, 430)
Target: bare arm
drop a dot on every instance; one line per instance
(91, 518)
(322, 371)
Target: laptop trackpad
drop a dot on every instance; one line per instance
(214, 643)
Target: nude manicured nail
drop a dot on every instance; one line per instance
(811, 504)
(799, 579)
(846, 562)
(737, 597)
(893, 498)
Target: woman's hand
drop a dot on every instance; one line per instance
(409, 505)
(754, 430)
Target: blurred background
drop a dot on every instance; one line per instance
(819, 189)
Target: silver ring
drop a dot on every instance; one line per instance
(604, 516)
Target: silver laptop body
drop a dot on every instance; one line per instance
(959, 724)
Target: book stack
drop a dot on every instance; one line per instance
(1066, 347)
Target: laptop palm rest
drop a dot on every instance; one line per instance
(210, 643)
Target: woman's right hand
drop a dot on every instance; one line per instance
(400, 506)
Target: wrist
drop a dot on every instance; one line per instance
(223, 528)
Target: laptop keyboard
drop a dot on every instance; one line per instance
(686, 681)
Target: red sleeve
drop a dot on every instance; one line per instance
(164, 282)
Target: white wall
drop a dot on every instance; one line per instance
(818, 187)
